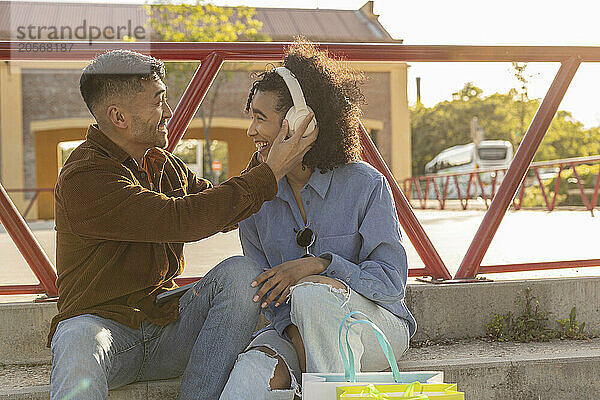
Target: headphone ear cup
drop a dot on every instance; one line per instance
(295, 118)
(290, 117)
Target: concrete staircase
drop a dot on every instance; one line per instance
(452, 313)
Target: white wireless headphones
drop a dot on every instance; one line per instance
(299, 110)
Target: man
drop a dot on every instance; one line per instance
(124, 208)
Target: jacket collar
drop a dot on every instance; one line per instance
(153, 159)
(99, 139)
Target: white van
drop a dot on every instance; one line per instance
(490, 154)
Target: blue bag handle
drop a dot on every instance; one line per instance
(349, 371)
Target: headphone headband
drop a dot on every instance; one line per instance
(294, 88)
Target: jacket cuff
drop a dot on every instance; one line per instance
(262, 180)
(341, 269)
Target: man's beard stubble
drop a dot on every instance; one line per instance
(149, 134)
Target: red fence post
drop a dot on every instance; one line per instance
(27, 244)
(517, 170)
(584, 198)
(407, 218)
(192, 98)
(595, 196)
(538, 266)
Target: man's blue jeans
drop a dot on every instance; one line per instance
(91, 355)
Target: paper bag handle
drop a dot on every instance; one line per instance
(349, 371)
(372, 392)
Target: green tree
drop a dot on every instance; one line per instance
(201, 22)
(567, 138)
(523, 96)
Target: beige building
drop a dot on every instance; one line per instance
(41, 110)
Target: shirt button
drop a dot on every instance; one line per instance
(332, 272)
(307, 201)
(374, 294)
(348, 279)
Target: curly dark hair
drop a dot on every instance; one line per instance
(332, 90)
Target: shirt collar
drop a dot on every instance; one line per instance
(97, 137)
(153, 159)
(284, 191)
(318, 181)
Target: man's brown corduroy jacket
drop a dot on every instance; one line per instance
(121, 227)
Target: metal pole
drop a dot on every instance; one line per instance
(272, 51)
(517, 170)
(192, 98)
(27, 244)
(22, 289)
(538, 266)
(595, 197)
(407, 218)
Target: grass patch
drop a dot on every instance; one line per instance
(533, 324)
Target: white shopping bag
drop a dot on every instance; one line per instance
(317, 386)
(322, 386)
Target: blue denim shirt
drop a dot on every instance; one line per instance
(352, 212)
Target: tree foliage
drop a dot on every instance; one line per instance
(502, 116)
(201, 22)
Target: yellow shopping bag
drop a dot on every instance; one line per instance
(412, 391)
(374, 385)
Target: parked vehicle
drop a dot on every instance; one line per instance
(490, 154)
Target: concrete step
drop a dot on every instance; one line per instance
(442, 311)
(553, 370)
(24, 331)
(40, 390)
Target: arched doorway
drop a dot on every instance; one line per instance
(49, 134)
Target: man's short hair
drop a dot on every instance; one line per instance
(117, 73)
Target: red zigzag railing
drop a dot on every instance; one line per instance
(483, 182)
(212, 55)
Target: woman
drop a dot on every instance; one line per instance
(329, 242)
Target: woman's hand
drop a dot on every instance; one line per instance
(286, 152)
(285, 275)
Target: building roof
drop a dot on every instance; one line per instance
(322, 25)
(280, 24)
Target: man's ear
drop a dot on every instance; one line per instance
(116, 117)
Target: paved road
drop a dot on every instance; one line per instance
(523, 236)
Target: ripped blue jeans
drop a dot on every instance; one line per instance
(317, 310)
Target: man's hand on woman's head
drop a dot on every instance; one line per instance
(284, 276)
(287, 153)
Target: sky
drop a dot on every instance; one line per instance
(469, 22)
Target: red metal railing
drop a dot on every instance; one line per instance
(29, 247)
(517, 170)
(421, 187)
(434, 264)
(192, 98)
(213, 54)
(35, 191)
